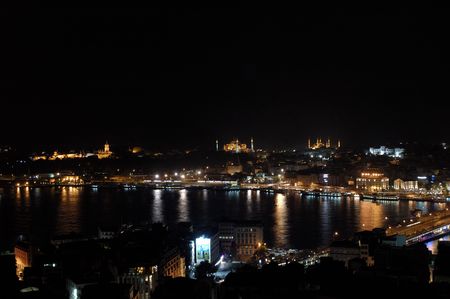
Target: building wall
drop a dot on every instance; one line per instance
(372, 180)
(143, 279)
(226, 237)
(23, 259)
(306, 179)
(248, 239)
(174, 267)
(399, 184)
(344, 254)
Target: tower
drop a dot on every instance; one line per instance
(339, 143)
(217, 145)
(237, 146)
(328, 143)
(251, 145)
(106, 148)
(309, 143)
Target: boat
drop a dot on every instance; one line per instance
(379, 197)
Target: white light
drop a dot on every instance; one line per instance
(183, 176)
(199, 172)
(156, 176)
(176, 173)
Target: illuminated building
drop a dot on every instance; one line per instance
(144, 278)
(320, 144)
(231, 168)
(372, 180)
(236, 147)
(136, 150)
(101, 154)
(70, 180)
(60, 156)
(400, 184)
(244, 238)
(23, 254)
(226, 237)
(217, 145)
(248, 238)
(39, 157)
(202, 250)
(396, 152)
(207, 249)
(105, 153)
(173, 264)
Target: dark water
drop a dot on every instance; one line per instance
(290, 221)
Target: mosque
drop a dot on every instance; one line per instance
(237, 147)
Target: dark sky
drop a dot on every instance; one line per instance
(182, 77)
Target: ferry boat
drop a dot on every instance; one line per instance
(380, 197)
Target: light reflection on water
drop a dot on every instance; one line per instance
(281, 222)
(157, 211)
(289, 220)
(183, 208)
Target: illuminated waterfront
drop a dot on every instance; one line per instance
(290, 221)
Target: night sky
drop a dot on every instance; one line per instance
(179, 77)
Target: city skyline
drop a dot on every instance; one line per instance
(222, 153)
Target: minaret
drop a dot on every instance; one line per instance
(237, 146)
(328, 143)
(339, 143)
(217, 145)
(309, 143)
(106, 147)
(251, 145)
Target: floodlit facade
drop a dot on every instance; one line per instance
(321, 143)
(236, 147)
(174, 265)
(372, 180)
(101, 154)
(396, 152)
(402, 185)
(23, 254)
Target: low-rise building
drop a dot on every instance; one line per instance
(372, 180)
(402, 185)
(345, 251)
(396, 152)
